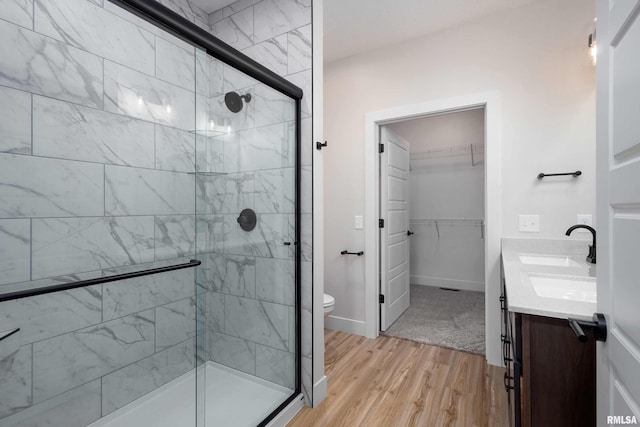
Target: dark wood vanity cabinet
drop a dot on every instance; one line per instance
(551, 376)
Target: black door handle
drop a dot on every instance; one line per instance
(410, 233)
(598, 326)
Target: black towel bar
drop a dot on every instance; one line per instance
(346, 252)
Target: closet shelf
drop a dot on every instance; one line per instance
(471, 150)
(452, 222)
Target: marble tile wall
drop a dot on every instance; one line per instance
(97, 175)
(258, 158)
(90, 351)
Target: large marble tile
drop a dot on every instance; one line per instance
(275, 191)
(307, 380)
(63, 72)
(307, 146)
(234, 79)
(209, 154)
(306, 189)
(19, 12)
(272, 106)
(15, 121)
(209, 75)
(261, 322)
(134, 381)
(271, 53)
(129, 296)
(303, 80)
(66, 361)
(132, 191)
(276, 366)
(39, 187)
(233, 352)
(266, 240)
(45, 316)
(175, 323)
(175, 236)
(135, 94)
(89, 27)
(70, 131)
(175, 64)
(175, 149)
(275, 280)
(306, 235)
(230, 193)
(299, 49)
(185, 8)
(274, 17)
(70, 245)
(210, 233)
(229, 274)
(76, 408)
(15, 250)
(236, 7)
(15, 380)
(215, 312)
(236, 30)
(269, 147)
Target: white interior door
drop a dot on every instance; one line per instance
(618, 159)
(394, 243)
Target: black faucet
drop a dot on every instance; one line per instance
(592, 248)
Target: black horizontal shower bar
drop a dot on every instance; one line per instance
(346, 252)
(26, 293)
(574, 174)
(214, 46)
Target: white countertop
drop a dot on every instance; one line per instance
(521, 296)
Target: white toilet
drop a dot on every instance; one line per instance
(329, 303)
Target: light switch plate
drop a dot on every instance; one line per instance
(359, 222)
(530, 223)
(586, 219)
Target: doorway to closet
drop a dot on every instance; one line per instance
(432, 248)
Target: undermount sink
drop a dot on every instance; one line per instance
(554, 260)
(564, 287)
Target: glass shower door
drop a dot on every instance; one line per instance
(246, 239)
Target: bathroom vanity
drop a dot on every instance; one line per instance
(550, 376)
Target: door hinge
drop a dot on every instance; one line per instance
(380, 148)
(381, 299)
(381, 223)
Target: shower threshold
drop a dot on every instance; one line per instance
(231, 399)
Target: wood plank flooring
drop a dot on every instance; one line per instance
(391, 382)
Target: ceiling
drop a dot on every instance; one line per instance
(356, 26)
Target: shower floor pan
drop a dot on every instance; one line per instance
(233, 399)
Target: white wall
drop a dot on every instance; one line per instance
(534, 56)
(451, 254)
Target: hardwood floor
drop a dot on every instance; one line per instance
(391, 382)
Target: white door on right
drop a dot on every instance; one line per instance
(618, 194)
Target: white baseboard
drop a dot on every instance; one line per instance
(463, 285)
(319, 391)
(343, 324)
(287, 414)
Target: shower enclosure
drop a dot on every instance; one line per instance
(149, 222)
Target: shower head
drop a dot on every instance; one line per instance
(234, 101)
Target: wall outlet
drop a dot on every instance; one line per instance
(586, 219)
(530, 223)
(359, 222)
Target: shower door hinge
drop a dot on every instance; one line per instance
(380, 148)
(381, 223)
(319, 145)
(381, 299)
